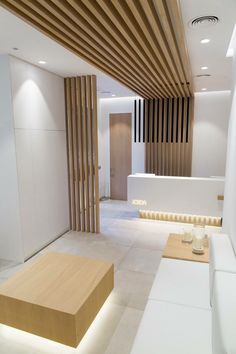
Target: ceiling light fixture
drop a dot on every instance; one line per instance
(15, 48)
(42, 62)
(205, 40)
(203, 89)
(113, 95)
(204, 67)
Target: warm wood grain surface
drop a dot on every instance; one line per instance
(176, 249)
(82, 146)
(120, 154)
(56, 297)
(140, 43)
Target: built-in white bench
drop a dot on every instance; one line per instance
(178, 317)
(173, 329)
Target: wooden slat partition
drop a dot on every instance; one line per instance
(168, 135)
(82, 142)
(138, 42)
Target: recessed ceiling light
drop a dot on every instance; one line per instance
(113, 95)
(204, 67)
(15, 48)
(203, 89)
(42, 62)
(205, 40)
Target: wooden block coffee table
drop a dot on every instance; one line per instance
(57, 296)
(176, 249)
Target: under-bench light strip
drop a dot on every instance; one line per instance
(183, 218)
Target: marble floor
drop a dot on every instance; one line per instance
(135, 247)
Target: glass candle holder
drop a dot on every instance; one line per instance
(187, 235)
(198, 238)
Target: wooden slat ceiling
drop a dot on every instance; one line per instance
(138, 42)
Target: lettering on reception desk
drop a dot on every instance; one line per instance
(139, 202)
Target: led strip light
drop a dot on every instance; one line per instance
(183, 218)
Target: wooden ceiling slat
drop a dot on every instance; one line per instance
(55, 20)
(147, 7)
(107, 43)
(177, 24)
(89, 52)
(160, 54)
(109, 29)
(129, 15)
(124, 38)
(133, 38)
(163, 13)
(138, 42)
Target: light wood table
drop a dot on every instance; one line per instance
(177, 249)
(57, 296)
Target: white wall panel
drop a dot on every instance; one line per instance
(39, 116)
(38, 97)
(229, 219)
(211, 117)
(10, 230)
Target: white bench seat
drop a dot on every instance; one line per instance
(224, 313)
(168, 328)
(182, 282)
(222, 257)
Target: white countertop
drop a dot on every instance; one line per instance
(143, 175)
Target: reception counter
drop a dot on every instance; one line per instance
(180, 195)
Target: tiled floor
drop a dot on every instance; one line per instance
(135, 247)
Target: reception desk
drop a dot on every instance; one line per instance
(177, 195)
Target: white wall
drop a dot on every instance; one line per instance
(229, 215)
(211, 116)
(10, 232)
(40, 136)
(105, 107)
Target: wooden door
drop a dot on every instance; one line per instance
(120, 154)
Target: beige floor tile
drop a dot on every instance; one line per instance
(122, 340)
(120, 235)
(151, 240)
(108, 251)
(131, 288)
(71, 246)
(142, 260)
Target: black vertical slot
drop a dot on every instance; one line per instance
(187, 125)
(177, 120)
(139, 120)
(182, 121)
(135, 120)
(144, 111)
(148, 117)
(167, 121)
(172, 120)
(162, 120)
(157, 119)
(153, 119)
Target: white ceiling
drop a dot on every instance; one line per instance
(212, 54)
(34, 46)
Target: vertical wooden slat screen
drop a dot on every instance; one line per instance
(167, 132)
(82, 148)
